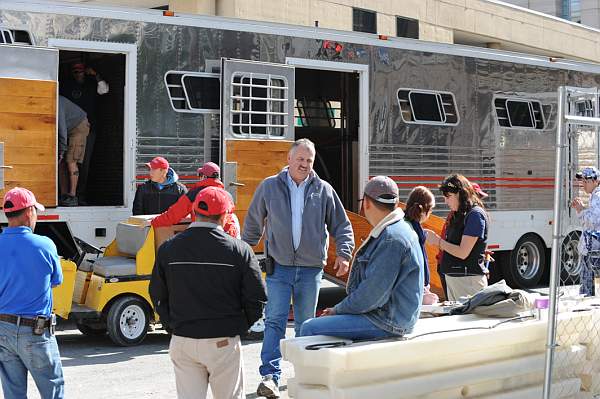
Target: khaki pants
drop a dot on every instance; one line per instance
(464, 286)
(214, 361)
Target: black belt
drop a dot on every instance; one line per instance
(22, 321)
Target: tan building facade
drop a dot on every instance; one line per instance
(482, 23)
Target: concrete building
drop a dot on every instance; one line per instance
(530, 26)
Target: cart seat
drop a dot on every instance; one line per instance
(114, 266)
(129, 240)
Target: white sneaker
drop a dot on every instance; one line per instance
(268, 388)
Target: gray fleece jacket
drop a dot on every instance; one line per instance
(323, 215)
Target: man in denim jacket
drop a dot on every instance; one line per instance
(385, 286)
(297, 211)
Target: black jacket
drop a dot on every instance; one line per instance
(207, 284)
(149, 200)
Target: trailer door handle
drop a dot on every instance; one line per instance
(236, 184)
(5, 167)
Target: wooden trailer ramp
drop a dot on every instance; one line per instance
(28, 131)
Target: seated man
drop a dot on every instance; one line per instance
(160, 191)
(209, 173)
(385, 286)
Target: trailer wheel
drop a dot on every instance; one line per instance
(91, 330)
(526, 263)
(127, 321)
(569, 265)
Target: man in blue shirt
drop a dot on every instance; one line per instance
(297, 212)
(30, 268)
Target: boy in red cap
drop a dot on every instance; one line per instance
(209, 172)
(30, 268)
(206, 296)
(159, 192)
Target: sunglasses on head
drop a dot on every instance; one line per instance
(448, 188)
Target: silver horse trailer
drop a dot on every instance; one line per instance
(196, 88)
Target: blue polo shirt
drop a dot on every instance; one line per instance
(29, 268)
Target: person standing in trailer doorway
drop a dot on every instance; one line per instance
(297, 211)
(83, 88)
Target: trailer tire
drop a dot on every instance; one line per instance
(569, 258)
(91, 331)
(128, 320)
(526, 262)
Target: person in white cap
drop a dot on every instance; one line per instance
(30, 268)
(589, 218)
(385, 286)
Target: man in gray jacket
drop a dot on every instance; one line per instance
(297, 211)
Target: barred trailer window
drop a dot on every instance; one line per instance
(259, 104)
(428, 107)
(519, 113)
(194, 92)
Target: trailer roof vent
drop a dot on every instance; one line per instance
(15, 36)
(194, 92)
(428, 107)
(519, 113)
(259, 104)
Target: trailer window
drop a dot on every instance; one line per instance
(5, 37)
(22, 37)
(317, 113)
(427, 107)
(194, 92)
(259, 104)
(519, 113)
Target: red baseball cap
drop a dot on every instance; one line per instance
(158, 163)
(20, 198)
(212, 201)
(209, 169)
(479, 191)
(79, 67)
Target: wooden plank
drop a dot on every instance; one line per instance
(29, 171)
(28, 138)
(28, 105)
(27, 87)
(16, 121)
(29, 156)
(44, 193)
(252, 145)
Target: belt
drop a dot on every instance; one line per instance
(22, 321)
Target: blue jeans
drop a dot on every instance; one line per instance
(586, 274)
(301, 284)
(348, 326)
(21, 351)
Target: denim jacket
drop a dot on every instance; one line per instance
(386, 280)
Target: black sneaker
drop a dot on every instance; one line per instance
(69, 200)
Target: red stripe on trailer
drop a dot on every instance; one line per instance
(494, 246)
(471, 178)
(48, 217)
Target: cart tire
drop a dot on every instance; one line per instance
(91, 331)
(526, 263)
(127, 321)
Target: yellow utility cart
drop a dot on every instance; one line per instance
(110, 294)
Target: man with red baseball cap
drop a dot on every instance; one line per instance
(160, 191)
(209, 172)
(30, 268)
(207, 288)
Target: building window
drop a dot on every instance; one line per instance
(196, 92)
(15, 36)
(428, 107)
(364, 21)
(259, 104)
(519, 113)
(407, 27)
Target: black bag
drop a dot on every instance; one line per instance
(267, 264)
